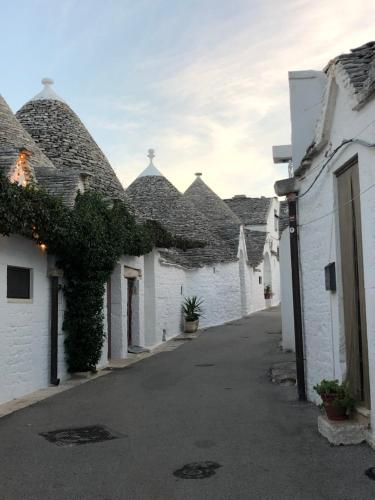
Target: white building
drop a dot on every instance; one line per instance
(46, 143)
(334, 178)
(260, 219)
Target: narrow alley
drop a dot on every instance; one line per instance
(209, 400)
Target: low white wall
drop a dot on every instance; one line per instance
(287, 318)
(24, 327)
(219, 287)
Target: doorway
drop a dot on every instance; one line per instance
(353, 283)
(131, 288)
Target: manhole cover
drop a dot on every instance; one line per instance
(204, 365)
(197, 470)
(370, 473)
(80, 435)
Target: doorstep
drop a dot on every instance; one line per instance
(342, 432)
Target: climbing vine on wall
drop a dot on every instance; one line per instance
(87, 241)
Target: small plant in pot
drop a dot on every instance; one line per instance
(336, 399)
(268, 292)
(193, 311)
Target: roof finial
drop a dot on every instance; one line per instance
(47, 81)
(198, 174)
(151, 155)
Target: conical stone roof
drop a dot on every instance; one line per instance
(65, 140)
(156, 198)
(224, 222)
(13, 138)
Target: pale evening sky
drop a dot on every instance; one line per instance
(203, 82)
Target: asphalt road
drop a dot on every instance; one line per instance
(170, 412)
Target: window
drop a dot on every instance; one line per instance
(260, 280)
(18, 283)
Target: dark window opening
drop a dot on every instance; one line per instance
(18, 283)
(260, 280)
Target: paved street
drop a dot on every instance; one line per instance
(170, 412)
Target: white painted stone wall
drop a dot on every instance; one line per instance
(271, 246)
(219, 287)
(286, 294)
(257, 301)
(119, 311)
(306, 90)
(170, 291)
(24, 326)
(319, 245)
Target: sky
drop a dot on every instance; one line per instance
(203, 82)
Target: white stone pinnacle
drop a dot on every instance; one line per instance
(47, 92)
(151, 170)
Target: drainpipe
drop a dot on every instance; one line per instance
(298, 331)
(54, 380)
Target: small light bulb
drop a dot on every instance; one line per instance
(43, 246)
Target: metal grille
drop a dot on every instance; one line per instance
(80, 435)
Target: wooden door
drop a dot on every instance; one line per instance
(131, 283)
(353, 283)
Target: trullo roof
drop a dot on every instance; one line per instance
(156, 198)
(223, 221)
(65, 140)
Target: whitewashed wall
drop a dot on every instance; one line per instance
(272, 243)
(119, 312)
(219, 287)
(319, 245)
(257, 301)
(24, 326)
(170, 290)
(286, 293)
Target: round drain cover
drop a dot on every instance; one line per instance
(197, 470)
(370, 473)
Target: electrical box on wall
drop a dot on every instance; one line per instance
(330, 276)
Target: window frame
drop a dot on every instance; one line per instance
(18, 300)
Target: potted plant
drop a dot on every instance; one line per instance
(336, 399)
(268, 292)
(192, 311)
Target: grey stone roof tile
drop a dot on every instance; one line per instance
(359, 65)
(251, 211)
(65, 140)
(156, 198)
(13, 138)
(224, 222)
(255, 241)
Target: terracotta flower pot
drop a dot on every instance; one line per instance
(191, 326)
(333, 412)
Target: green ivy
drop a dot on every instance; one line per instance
(87, 241)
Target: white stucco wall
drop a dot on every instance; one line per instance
(320, 245)
(119, 310)
(305, 90)
(286, 294)
(24, 327)
(271, 246)
(219, 287)
(170, 291)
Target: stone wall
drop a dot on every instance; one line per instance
(324, 334)
(24, 328)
